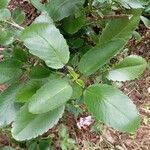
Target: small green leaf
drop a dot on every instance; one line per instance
(146, 21)
(112, 107)
(4, 14)
(39, 72)
(18, 16)
(45, 41)
(135, 4)
(99, 56)
(38, 5)
(4, 3)
(76, 43)
(20, 54)
(77, 91)
(33, 146)
(45, 145)
(10, 70)
(128, 69)
(147, 9)
(136, 35)
(51, 95)
(27, 90)
(5, 37)
(121, 28)
(72, 24)
(8, 107)
(28, 126)
(59, 9)
(40, 145)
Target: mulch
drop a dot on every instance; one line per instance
(137, 90)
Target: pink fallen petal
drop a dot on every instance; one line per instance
(85, 122)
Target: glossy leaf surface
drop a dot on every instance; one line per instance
(45, 41)
(59, 9)
(8, 107)
(128, 69)
(146, 21)
(99, 56)
(51, 95)
(112, 107)
(28, 126)
(112, 40)
(9, 70)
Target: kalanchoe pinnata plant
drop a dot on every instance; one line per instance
(48, 63)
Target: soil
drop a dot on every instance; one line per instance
(30, 11)
(137, 90)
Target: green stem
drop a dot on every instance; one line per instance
(14, 25)
(90, 5)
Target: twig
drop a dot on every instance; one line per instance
(115, 16)
(14, 25)
(97, 18)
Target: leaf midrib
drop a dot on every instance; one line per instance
(59, 56)
(124, 28)
(59, 7)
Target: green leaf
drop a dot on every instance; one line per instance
(28, 126)
(45, 145)
(8, 107)
(99, 56)
(128, 69)
(76, 43)
(4, 14)
(136, 35)
(20, 54)
(147, 9)
(43, 18)
(72, 24)
(135, 4)
(146, 21)
(112, 40)
(5, 37)
(59, 9)
(51, 95)
(27, 90)
(10, 70)
(38, 5)
(77, 91)
(8, 148)
(39, 72)
(18, 16)
(40, 145)
(111, 106)
(4, 3)
(45, 41)
(33, 146)
(121, 28)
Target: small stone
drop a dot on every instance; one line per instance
(148, 90)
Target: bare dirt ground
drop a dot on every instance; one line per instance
(138, 91)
